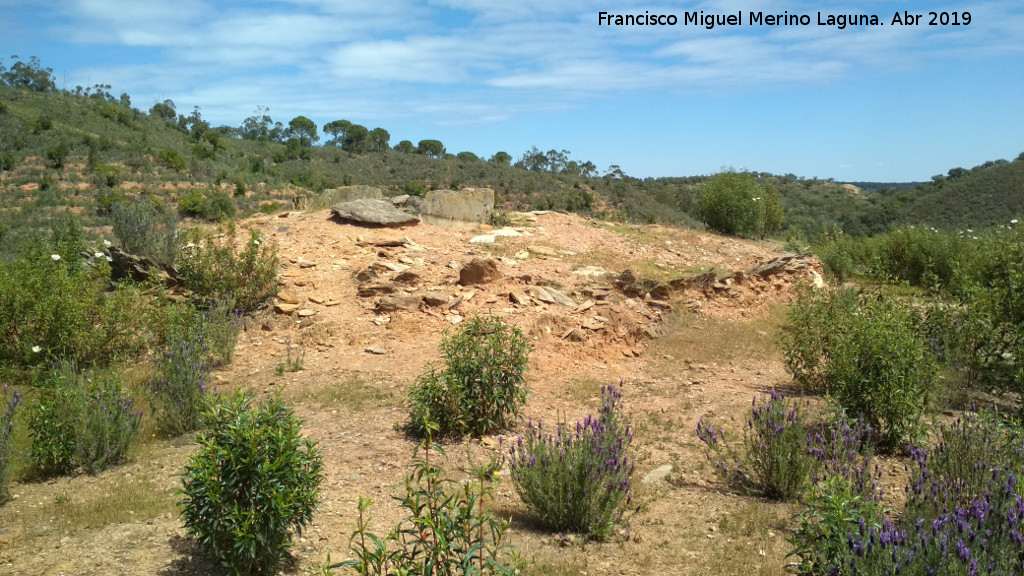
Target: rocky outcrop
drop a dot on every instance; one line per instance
(373, 213)
(455, 207)
(479, 271)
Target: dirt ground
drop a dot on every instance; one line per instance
(680, 349)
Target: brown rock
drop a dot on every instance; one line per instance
(367, 275)
(435, 299)
(479, 271)
(284, 308)
(542, 250)
(392, 303)
(519, 298)
(408, 278)
(367, 291)
(287, 298)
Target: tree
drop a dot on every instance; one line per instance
(734, 203)
(379, 140)
(501, 159)
(304, 129)
(431, 148)
(356, 139)
(30, 76)
(164, 110)
(405, 147)
(467, 157)
(337, 129)
(260, 126)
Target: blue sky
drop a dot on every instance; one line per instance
(876, 103)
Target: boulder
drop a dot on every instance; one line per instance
(479, 271)
(453, 207)
(400, 302)
(371, 212)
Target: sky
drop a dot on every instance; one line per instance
(883, 103)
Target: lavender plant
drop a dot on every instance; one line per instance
(577, 479)
(11, 404)
(178, 390)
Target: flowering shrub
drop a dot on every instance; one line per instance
(81, 419)
(10, 408)
(178, 390)
(577, 479)
(253, 481)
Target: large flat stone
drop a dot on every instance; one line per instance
(372, 212)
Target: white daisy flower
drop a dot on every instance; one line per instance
(98, 255)
(106, 243)
(37, 349)
(55, 257)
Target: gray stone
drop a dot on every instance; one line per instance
(657, 474)
(560, 298)
(400, 302)
(454, 207)
(375, 350)
(400, 199)
(369, 212)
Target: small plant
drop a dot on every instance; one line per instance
(146, 229)
(447, 531)
(82, 419)
(775, 460)
(178, 390)
(254, 480)
(10, 406)
(483, 385)
(215, 270)
(222, 324)
(290, 364)
(577, 479)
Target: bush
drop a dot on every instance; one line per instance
(734, 203)
(868, 353)
(173, 160)
(178, 390)
(483, 386)
(214, 270)
(776, 460)
(146, 229)
(577, 479)
(10, 409)
(213, 205)
(57, 154)
(253, 481)
(447, 531)
(82, 419)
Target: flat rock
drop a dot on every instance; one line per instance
(401, 302)
(506, 233)
(483, 239)
(285, 308)
(372, 212)
(366, 291)
(435, 299)
(591, 271)
(479, 271)
(408, 278)
(560, 298)
(659, 473)
(287, 298)
(375, 350)
(306, 313)
(542, 250)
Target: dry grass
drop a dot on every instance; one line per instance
(699, 340)
(358, 392)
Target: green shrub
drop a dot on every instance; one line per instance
(219, 269)
(10, 409)
(173, 160)
(178, 389)
(254, 480)
(81, 419)
(147, 230)
(868, 354)
(213, 205)
(483, 385)
(577, 479)
(776, 460)
(57, 154)
(106, 175)
(447, 531)
(734, 203)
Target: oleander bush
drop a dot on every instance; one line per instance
(252, 484)
(577, 478)
(482, 387)
(447, 530)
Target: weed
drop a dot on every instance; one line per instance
(214, 270)
(290, 363)
(146, 229)
(178, 389)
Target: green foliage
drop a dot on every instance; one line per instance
(431, 148)
(254, 480)
(173, 160)
(577, 479)
(53, 305)
(178, 391)
(146, 229)
(447, 531)
(10, 403)
(215, 269)
(81, 419)
(835, 509)
(483, 385)
(290, 363)
(414, 188)
(734, 203)
(211, 205)
(868, 354)
(57, 154)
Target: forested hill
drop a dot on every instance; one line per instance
(87, 148)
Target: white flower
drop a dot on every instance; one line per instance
(106, 243)
(1014, 221)
(98, 255)
(974, 237)
(256, 242)
(109, 259)
(55, 257)
(37, 349)
(969, 231)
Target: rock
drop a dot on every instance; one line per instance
(291, 274)
(315, 299)
(817, 281)
(455, 320)
(483, 239)
(372, 213)
(561, 298)
(306, 313)
(408, 278)
(400, 199)
(446, 207)
(138, 268)
(585, 306)
(367, 275)
(519, 298)
(306, 264)
(287, 298)
(660, 292)
(375, 350)
(591, 272)
(574, 335)
(479, 271)
(367, 291)
(506, 233)
(435, 299)
(657, 474)
(285, 308)
(389, 266)
(402, 302)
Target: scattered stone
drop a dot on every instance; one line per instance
(367, 275)
(375, 350)
(479, 271)
(455, 319)
(560, 298)
(453, 206)
(372, 212)
(306, 313)
(574, 335)
(542, 250)
(406, 260)
(585, 306)
(302, 282)
(367, 291)
(519, 298)
(657, 474)
(435, 299)
(315, 299)
(506, 233)
(408, 278)
(285, 308)
(306, 264)
(401, 302)
(400, 199)
(483, 239)
(389, 266)
(522, 255)
(291, 273)
(287, 298)
(591, 271)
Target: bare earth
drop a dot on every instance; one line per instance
(709, 354)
